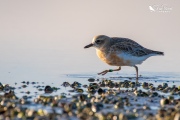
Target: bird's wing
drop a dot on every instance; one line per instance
(128, 46)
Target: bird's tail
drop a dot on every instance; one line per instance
(158, 53)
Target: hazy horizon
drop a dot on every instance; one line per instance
(47, 38)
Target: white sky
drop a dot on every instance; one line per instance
(47, 36)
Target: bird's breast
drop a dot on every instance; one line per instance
(112, 59)
(101, 55)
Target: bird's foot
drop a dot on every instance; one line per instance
(104, 72)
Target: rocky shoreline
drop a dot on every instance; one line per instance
(99, 99)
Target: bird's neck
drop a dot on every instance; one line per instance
(103, 49)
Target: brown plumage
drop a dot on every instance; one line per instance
(117, 51)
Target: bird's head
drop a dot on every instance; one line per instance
(99, 42)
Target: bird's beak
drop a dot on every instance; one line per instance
(90, 45)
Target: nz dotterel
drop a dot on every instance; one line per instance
(119, 52)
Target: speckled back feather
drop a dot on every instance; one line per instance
(131, 47)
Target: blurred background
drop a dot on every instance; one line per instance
(44, 39)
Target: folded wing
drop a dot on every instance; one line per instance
(131, 47)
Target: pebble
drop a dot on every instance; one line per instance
(104, 100)
(48, 89)
(91, 79)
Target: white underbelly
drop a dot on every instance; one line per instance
(133, 60)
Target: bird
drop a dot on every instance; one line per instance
(119, 51)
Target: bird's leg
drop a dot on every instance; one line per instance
(136, 74)
(110, 70)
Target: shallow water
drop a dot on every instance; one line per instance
(37, 89)
(150, 77)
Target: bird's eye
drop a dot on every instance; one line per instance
(98, 41)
